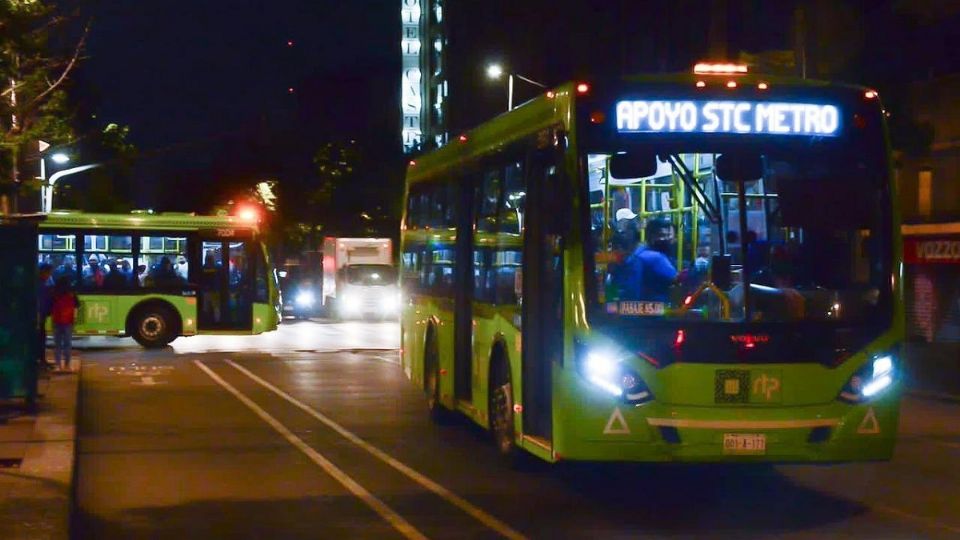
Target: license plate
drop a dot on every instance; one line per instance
(744, 443)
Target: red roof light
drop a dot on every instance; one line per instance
(583, 88)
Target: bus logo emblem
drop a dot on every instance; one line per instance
(766, 385)
(97, 312)
(732, 386)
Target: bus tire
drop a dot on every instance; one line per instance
(431, 382)
(501, 413)
(154, 325)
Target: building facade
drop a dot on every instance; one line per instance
(423, 77)
(930, 203)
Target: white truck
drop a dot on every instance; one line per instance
(359, 279)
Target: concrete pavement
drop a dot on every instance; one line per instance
(933, 369)
(37, 451)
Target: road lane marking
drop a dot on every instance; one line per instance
(930, 523)
(387, 513)
(454, 499)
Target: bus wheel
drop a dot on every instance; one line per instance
(501, 415)
(153, 326)
(431, 383)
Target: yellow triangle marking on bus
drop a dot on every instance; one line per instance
(869, 425)
(616, 425)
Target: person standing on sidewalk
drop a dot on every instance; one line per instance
(44, 305)
(63, 313)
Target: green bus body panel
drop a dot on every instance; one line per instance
(589, 424)
(106, 315)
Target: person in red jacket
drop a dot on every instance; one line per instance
(63, 313)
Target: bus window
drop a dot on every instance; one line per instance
(163, 262)
(106, 263)
(58, 250)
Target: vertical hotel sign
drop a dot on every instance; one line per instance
(411, 89)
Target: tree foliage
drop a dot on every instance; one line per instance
(33, 77)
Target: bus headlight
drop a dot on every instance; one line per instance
(305, 299)
(615, 377)
(871, 380)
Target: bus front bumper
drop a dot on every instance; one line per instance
(662, 433)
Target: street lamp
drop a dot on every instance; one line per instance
(46, 189)
(47, 197)
(495, 71)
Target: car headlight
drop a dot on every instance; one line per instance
(870, 380)
(305, 299)
(615, 377)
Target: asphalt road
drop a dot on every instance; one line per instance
(313, 431)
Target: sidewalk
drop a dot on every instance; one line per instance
(37, 460)
(932, 369)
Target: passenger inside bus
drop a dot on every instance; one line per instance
(66, 269)
(163, 275)
(210, 286)
(647, 272)
(115, 278)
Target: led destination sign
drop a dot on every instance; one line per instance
(763, 117)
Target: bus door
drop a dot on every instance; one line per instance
(225, 277)
(542, 286)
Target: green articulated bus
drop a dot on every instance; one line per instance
(692, 267)
(155, 277)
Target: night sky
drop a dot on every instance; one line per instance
(204, 84)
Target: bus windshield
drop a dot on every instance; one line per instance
(804, 241)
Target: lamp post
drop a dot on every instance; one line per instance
(495, 71)
(48, 200)
(46, 192)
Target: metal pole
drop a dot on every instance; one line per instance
(58, 175)
(510, 92)
(745, 271)
(531, 81)
(43, 184)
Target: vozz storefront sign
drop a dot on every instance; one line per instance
(931, 250)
